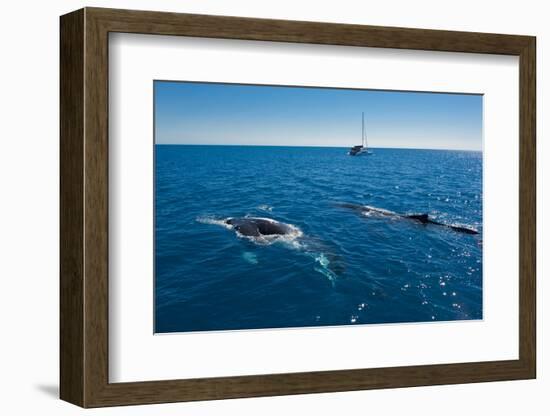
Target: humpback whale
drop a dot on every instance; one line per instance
(421, 218)
(266, 231)
(256, 227)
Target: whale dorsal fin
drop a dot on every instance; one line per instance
(423, 218)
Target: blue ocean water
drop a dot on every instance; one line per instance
(339, 266)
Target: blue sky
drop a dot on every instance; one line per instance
(235, 114)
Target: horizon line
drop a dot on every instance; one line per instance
(314, 146)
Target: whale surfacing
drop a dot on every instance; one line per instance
(424, 219)
(421, 218)
(257, 227)
(267, 231)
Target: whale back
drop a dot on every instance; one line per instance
(423, 218)
(254, 227)
(270, 228)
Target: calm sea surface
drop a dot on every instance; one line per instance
(339, 267)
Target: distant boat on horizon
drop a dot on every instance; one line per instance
(361, 149)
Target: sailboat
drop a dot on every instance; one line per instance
(361, 149)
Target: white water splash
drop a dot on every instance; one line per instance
(214, 221)
(374, 211)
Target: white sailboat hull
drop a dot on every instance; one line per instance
(362, 152)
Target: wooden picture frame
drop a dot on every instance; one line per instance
(84, 207)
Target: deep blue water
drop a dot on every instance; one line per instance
(345, 268)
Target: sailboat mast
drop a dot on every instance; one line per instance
(366, 144)
(363, 130)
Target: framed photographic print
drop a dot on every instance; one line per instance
(255, 207)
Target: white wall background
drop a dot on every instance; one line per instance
(29, 210)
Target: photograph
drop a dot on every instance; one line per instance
(288, 206)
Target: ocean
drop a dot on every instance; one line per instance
(338, 265)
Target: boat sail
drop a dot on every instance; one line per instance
(361, 149)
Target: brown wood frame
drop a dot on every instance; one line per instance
(84, 207)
